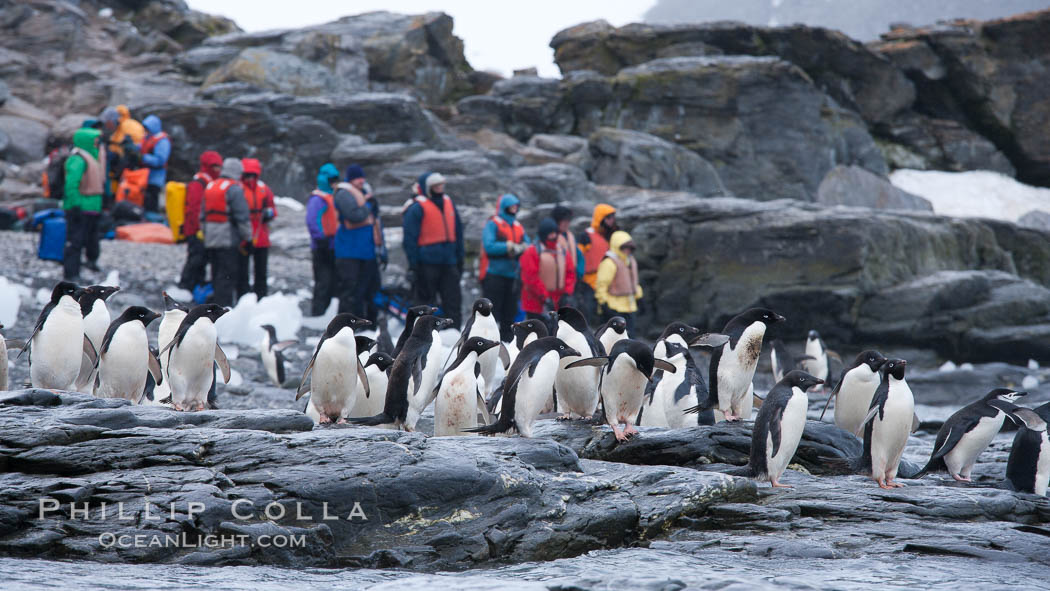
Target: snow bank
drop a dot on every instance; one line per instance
(183, 295)
(977, 193)
(11, 296)
(112, 279)
(242, 324)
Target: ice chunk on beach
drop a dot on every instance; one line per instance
(321, 322)
(948, 366)
(11, 296)
(112, 279)
(243, 324)
(1030, 383)
(290, 203)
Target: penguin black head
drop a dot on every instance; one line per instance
(688, 333)
(103, 291)
(530, 326)
(478, 345)
(210, 311)
(270, 330)
(426, 324)
(141, 313)
(64, 288)
(364, 343)
(813, 335)
(573, 318)
(417, 311)
(894, 367)
(763, 315)
(483, 306)
(381, 360)
(871, 358)
(171, 303)
(674, 349)
(559, 346)
(617, 324)
(797, 378)
(1004, 394)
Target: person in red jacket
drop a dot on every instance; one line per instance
(262, 211)
(195, 269)
(546, 270)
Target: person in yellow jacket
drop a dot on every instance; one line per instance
(616, 286)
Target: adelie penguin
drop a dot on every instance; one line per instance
(854, 391)
(733, 363)
(124, 359)
(528, 385)
(577, 388)
(524, 332)
(3, 359)
(174, 312)
(410, 321)
(1028, 467)
(334, 377)
(377, 369)
(58, 347)
(669, 395)
(97, 319)
(459, 394)
(412, 376)
(627, 370)
(191, 355)
(969, 431)
(816, 360)
(779, 425)
(888, 424)
(482, 324)
(612, 332)
(781, 361)
(270, 351)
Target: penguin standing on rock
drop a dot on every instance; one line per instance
(1028, 468)
(779, 426)
(124, 360)
(577, 388)
(270, 350)
(412, 376)
(334, 374)
(192, 354)
(888, 424)
(854, 391)
(528, 386)
(459, 392)
(612, 332)
(174, 312)
(58, 346)
(3, 360)
(97, 319)
(781, 360)
(628, 368)
(969, 431)
(377, 369)
(524, 332)
(668, 396)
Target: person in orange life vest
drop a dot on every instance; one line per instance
(123, 136)
(545, 271)
(616, 287)
(262, 211)
(359, 247)
(195, 269)
(433, 241)
(502, 242)
(156, 149)
(322, 221)
(594, 242)
(562, 216)
(227, 228)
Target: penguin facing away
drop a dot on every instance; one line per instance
(528, 385)
(672, 394)
(577, 388)
(459, 392)
(627, 370)
(613, 331)
(969, 431)
(192, 354)
(781, 360)
(270, 350)
(816, 360)
(174, 312)
(334, 376)
(124, 359)
(377, 368)
(888, 424)
(410, 320)
(1028, 467)
(58, 347)
(412, 376)
(854, 390)
(779, 426)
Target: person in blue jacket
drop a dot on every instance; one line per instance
(156, 149)
(502, 241)
(359, 246)
(433, 241)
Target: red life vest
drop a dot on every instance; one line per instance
(438, 226)
(215, 209)
(151, 142)
(329, 217)
(504, 233)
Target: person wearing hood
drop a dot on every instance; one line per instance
(262, 210)
(227, 229)
(359, 247)
(502, 242)
(594, 243)
(156, 149)
(194, 271)
(546, 270)
(617, 290)
(118, 125)
(85, 173)
(322, 221)
(433, 241)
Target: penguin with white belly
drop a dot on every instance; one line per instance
(1028, 467)
(528, 384)
(854, 391)
(270, 350)
(816, 361)
(577, 389)
(969, 431)
(192, 354)
(525, 332)
(58, 347)
(413, 376)
(612, 332)
(459, 393)
(779, 425)
(627, 370)
(667, 399)
(97, 319)
(334, 376)
(377, 369)
(3, 362)
(781, 361)
(124, 359)
(888, 424)
(482, 324)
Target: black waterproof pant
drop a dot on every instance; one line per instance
(152, 198)
(324, 279)
(504, 292)
(257, 261)
(223, 263)
(434, 281)
(194, 271)
(358, 284)
(81, 236)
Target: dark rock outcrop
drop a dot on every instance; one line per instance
(521, 106)
(852, 185)
(624, 157)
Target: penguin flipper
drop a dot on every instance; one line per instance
(279, 364)
(661, 364)
(874, 410)
(591, 362)
(1029, 418)
(89, 350)
(224, 364)
(774, 428)
(483, 407)
(154, 369)
(282, 345)
(834, 393)
(504, 356)
(711, 339)
(303, 387)
(362, 376)
(379, 419)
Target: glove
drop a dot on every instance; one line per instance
(583, 239)
(245, 247)
(267, 215)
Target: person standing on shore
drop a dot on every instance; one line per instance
(545, 271)
(359, 248)
(502, 242)
(261, 210)
(85, 172)
(322, 221)
(434, 246)
(595, 243)
(617, 290)
(195, 269)
(227, 229)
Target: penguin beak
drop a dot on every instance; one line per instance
(779, 318)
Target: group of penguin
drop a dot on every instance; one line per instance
(554, 363)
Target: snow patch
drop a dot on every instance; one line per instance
(948, 366)
(290, 203)
(112, 279)
(43, 296)
(1030, 382)
(321, 322)
(975, 193)
(243, 324)
(1033, 364)
(11, 296)
(182, 295)
(235, 378)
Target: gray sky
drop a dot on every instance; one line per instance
(500, 36)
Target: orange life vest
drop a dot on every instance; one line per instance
(438, 226)
(256, 200)
(132, 185)
(151, 142)
(504, 233)
(330, 217)
(593, 257)
(215, 209)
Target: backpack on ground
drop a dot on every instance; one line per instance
(52, 224)
(175, 207)
(132, 186)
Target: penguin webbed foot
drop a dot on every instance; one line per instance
(777, 484)
(629, 430)
(565, 417)
(961, 478)
(324, 419)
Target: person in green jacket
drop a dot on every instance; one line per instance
(85, 174)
